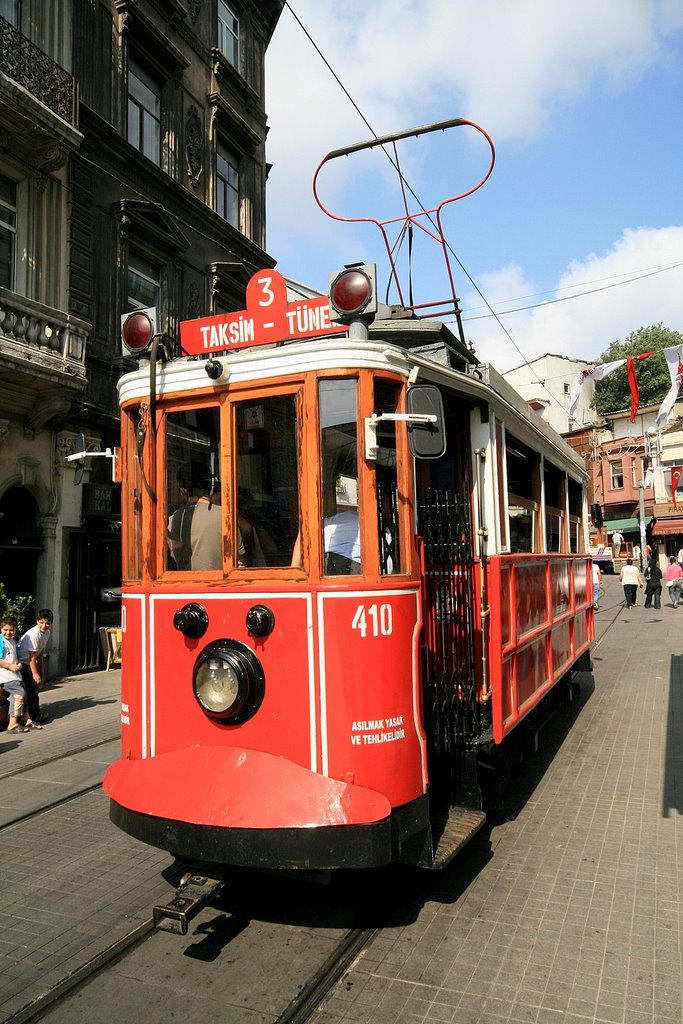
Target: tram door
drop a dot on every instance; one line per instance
(451, 709)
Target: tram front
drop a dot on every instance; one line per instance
(271, 706)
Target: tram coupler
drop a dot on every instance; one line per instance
(193, 893)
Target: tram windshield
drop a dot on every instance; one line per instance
(339, 453)
(264, 491)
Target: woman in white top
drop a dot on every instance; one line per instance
(631, 578)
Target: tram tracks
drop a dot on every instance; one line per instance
(57, 800)
(299, 1010)
(73, 752)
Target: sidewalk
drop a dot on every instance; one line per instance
(83, 710)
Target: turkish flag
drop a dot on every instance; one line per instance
(633, 382)
(675, 477)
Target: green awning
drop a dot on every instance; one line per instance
(625, 525)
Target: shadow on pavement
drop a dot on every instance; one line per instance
(672, 795)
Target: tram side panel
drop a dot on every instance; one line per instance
(541, 625)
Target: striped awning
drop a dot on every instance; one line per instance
(674, 524)
(625, 525)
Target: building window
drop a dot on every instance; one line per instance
(8, 231)
(144, 282)
(144, 113)
(228, 33)
(616, 474)
(10, 10)
(637, 470)
(227, 186)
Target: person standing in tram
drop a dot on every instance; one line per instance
(631, 578)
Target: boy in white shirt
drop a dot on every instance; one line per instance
(32, 648)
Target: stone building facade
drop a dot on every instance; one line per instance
(132, 173)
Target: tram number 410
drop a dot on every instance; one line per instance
(377, 618)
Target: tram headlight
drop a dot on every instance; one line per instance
(228, 681)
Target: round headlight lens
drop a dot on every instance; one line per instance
(228, 681)
(217, 686)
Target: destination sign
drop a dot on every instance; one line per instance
(268, 318)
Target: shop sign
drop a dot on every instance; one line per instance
(98, 499)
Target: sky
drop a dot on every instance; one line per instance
(579, 227)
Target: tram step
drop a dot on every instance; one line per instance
(454, 831)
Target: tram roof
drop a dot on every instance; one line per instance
(403, 345)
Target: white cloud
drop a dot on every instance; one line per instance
(603, 311)
(511, 67)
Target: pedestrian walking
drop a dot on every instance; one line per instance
(597, 585)
(32, 647)
(653, 584)
(674, 574)
(631, 578)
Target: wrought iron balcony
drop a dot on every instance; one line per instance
(27, 65)
(48, 340)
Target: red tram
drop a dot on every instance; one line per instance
(355, 573)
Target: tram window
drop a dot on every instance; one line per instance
(132, 552)
(553, 529)
(575, 502)
(386, 401)
(500, 474)
(339, 458)
(524, 486)
(555, 498)
(267, 475)
(193, 492)
(522, 521)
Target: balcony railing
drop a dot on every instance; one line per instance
(25, 63)
(52, 339)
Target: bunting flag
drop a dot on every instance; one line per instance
(593, 373)
(674, 360)
(633, 381)
(675, 477)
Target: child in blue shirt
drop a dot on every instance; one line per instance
(10, 674)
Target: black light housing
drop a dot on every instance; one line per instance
(228, 681)
(138, 330)
(353, 293)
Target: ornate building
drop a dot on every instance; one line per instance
(132, 173)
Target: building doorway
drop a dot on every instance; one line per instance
(21, 543)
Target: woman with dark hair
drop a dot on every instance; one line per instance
(653, 584)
